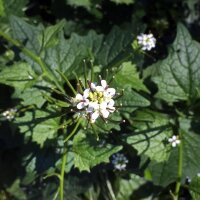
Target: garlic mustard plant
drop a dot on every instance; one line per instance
(119, 161)
(96, 101)
(174, 140)
(146, 41)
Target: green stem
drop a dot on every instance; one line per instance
(64, 160)
(92, 71)
(34, 57)
(74, 130)
(180, 170)
(62, 174)
(67, 81)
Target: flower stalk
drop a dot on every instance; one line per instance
(64, 160)
(180, 170)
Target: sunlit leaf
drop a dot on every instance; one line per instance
(90, 152)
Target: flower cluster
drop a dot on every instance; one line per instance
(10, 113)
(119, 161)
(96, 101)
(147, 41)
(174, 140)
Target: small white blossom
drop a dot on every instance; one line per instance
(82, 99)
(119, 161)
(10, 113)
(107, 92)
(96, 101)
(147, 41)
(198, 174)
(174, 140)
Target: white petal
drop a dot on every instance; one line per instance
(111, 103)
(79, 97)
(93, 86)
(94, 105)
(104, 83)
(150, 35)
(99, 89)
(105, 113)
(111, 109)
(80, 105)
(103, 105)
(94, 115)
(173, 144)
(110, 92)
(170, 140)
(174, 137)
(86, 93)
(86, 102)
(89, 109)
(139, 37)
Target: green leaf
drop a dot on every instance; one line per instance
(17, 75)
(68, 55)
(128, 76)
(30, 96)
(123, 1)
(90, 152)
(83, 3)
(116, 47)
(25, 33)
(48, 37)
(21, 77)
(180, 72)
(191, 156)
(194, 188)
(38, 125)
(16, 190)
(14, 7)
(166, 172)
(113, 122)
(128, 186)
(150, 136)
(131, 101)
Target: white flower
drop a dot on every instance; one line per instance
(103, 109)
(97, 109)
(82, 99)
(108, 92)
(119, 161)
(198, 174)
(96, 101)
(10, 113)
(174, 140)
(147, 41)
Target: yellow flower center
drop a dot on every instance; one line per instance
(96, 97)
